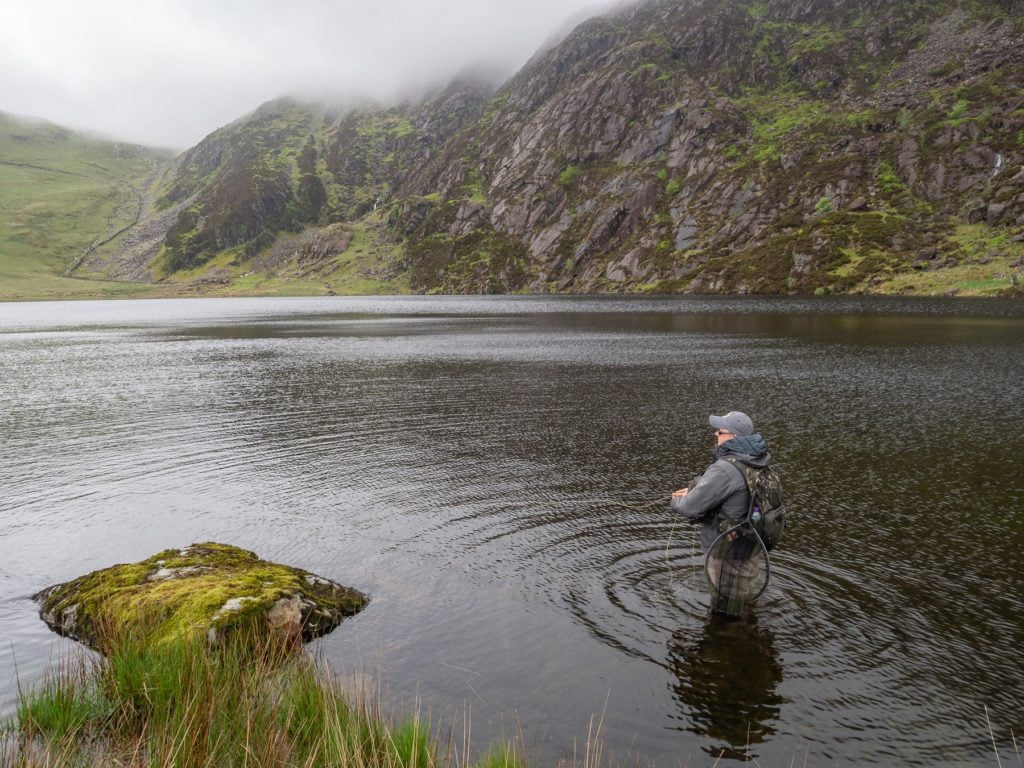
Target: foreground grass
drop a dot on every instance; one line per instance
(186, 704)
(189, 705)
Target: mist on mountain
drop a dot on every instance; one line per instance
(167, 74)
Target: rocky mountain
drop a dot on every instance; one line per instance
(671, 146)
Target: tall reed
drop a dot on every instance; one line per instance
(246, 701)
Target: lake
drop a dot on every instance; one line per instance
(493, 472)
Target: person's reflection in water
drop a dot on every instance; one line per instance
(726, 682)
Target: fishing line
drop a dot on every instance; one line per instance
(670, 589)
(668, 562)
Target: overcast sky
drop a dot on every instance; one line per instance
(167, 72)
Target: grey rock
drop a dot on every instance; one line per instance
(907, 161)
(969, 182)
(469, 216)
(631, 262)
(979, 157)
(543, 241)
(935, 187)
(606, 225)
(686, 236)
(287, 614)
(628, 266)
(976, 211)
(615, 273)
(653, 140)
(176, 573)
(803, 263)
(739, 202)
(994, 213)
(234, 604)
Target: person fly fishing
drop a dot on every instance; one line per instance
(738, 502)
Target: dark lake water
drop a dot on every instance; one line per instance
(481, 466)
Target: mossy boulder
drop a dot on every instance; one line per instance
(208, 587)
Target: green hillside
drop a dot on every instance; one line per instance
(792, 147)
(62, 194)
(703, 147)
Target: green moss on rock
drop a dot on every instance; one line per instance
(209, 587)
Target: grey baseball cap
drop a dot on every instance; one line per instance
(736, 422)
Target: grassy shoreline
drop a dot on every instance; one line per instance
(190, 704)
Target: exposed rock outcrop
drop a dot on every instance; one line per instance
(675, 146)
(208, 587)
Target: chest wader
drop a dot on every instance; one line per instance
(737, 565)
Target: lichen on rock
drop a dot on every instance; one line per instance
(207, 587)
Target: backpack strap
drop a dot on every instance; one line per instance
(745, 470)
(748, 474)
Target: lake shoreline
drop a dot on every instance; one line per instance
(1015, 293)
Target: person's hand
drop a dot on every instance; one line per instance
(679, 493)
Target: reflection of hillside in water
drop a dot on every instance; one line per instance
(726, 683)
(491, 475)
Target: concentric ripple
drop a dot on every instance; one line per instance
(496, 472)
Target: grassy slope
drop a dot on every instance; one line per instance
(354, 272)
(234, 198)
(59, 193)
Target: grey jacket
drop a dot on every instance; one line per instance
(721, 492)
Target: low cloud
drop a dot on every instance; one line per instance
(167, 72)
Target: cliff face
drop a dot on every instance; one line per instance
(704, 145)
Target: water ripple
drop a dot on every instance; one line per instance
(494, 472)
